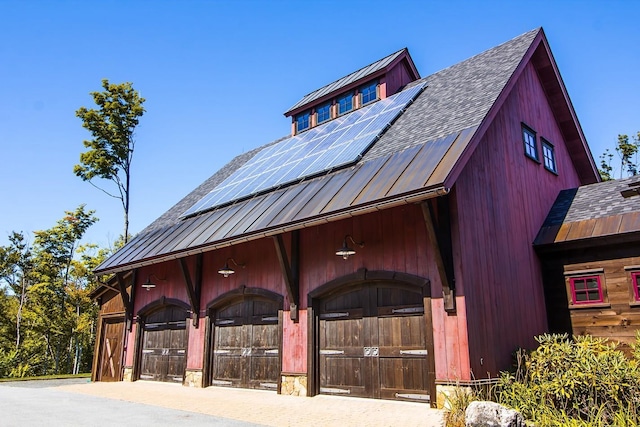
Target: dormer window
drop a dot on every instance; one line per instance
(345, 103)
(323, 113)
(302, 121)
(369, 93)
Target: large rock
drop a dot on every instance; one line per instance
(490, 414)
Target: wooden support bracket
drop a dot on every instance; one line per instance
(193, 288)
(290, 271)
(448, 290)
(126, 301)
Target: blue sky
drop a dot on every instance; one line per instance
(217, 76)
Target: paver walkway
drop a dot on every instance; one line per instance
(266, 407)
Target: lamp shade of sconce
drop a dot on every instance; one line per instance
(226, 271)
(148, 285)
(345, 251)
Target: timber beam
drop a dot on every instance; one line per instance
(194, 288)
(126, 300)
(290, 270)
(439, 235)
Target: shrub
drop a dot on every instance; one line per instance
(581, 382)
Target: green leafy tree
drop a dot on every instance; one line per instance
(16, 271)
(112, 127)
(627, 152)
(57, 312)
(47, 320)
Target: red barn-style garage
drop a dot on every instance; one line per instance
(383, 249)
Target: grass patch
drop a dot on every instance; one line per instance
(47, 377)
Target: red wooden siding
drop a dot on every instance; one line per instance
(294, 344)
(396, 78)
(195, 355)
(501, 199)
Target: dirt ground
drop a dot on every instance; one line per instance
(266, 407)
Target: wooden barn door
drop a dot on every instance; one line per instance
(373, 344)
(164, 345)
(111, 349)
(246, 343)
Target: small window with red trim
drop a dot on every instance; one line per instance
(635, 282)
(586, 290)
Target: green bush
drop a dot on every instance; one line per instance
(585, 381)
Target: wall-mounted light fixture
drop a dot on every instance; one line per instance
(226, 270)
(148, 285)
(345, 251)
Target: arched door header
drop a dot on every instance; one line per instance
(162, 303)
(371, 276)
(242, 291)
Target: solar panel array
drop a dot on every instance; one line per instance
(335, 144)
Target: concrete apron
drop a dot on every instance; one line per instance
(266, 407)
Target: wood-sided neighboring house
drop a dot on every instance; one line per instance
(590, 249)
(383, 249)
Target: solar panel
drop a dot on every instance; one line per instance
(331, 145)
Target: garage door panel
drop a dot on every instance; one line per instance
(264, 369)
(228, 368)
(401, 331)
(264, 337)
(342, 334)
(229, 337)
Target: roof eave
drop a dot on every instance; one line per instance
(404, 199)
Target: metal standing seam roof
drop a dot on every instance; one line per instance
(409, 162)
(347, 80)
(591, 211)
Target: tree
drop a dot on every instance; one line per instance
(112, 127)
(16, 270)
(47, 320)
(628, 153)
(56, 294)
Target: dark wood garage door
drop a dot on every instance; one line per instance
(164, 345)
(372, 344)
(246, 343)
(111, 349)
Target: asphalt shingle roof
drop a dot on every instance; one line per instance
(592, 211)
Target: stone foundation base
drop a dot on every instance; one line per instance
(127, 375)
(193, 378)
(446, 392)
(294, 385)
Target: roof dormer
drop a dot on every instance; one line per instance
(374, 82)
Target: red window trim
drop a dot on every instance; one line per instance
(634, 282)
(572, 281)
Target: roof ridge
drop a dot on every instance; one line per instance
(487, 51)
(397, 52)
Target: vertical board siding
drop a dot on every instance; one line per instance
(195, 347)
(294, 344)
(502, 198)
